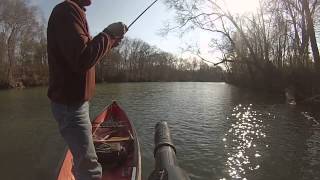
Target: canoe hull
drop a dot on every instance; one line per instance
(111, 128)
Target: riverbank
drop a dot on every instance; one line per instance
(303, 84)
(20, 85)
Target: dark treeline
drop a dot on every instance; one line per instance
(273, 49)
(23, 57)
(135, 60)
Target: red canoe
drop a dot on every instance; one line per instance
(116, 144)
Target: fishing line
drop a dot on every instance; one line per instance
(142, 13)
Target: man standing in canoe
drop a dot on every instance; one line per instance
(72, 56)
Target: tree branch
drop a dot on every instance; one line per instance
(215, 64)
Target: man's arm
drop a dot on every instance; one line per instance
(74, 43)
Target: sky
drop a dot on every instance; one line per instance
(147, 28)
(104, 12)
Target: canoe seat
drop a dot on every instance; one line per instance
(118, 139)
(113, 139)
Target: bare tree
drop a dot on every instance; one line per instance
(19, 28)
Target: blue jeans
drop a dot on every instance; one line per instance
(76, 129)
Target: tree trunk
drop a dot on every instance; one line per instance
(304, 37)
(312, 35)
(10, 51)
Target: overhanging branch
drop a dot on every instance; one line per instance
(215, 64)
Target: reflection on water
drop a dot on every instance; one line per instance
(312, 156)
(312, 150)
(215, 136)
(309, 117)
(244, 141)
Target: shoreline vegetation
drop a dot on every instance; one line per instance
(274, 50)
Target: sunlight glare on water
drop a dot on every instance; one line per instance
(244, 141)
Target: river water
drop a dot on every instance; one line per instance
(220, 131)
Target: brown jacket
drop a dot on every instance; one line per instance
(72, 54)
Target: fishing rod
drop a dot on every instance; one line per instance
(142, 14)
